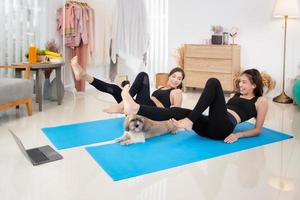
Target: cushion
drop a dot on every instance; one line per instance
(12, 89)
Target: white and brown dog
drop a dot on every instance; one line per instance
(138, 128)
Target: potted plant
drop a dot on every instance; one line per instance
(217, 36)
(41, 55)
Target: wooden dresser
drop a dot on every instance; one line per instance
(202, 62)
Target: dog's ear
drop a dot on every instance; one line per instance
(140, 118)
(126, 123)
(147, 124)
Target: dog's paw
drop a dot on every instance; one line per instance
(127, 142)
(119, 139)
(132, 141)
(124, 137)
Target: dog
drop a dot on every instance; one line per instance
(139, 128)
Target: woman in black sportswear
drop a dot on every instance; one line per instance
(165, 97)
(222, 117)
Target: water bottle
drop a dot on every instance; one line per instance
(225, 38)
(32, 54)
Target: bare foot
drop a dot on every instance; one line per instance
(130, 107)
(185, 123)
(78, 71)
(114, 109)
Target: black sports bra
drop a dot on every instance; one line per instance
(163, 96)
(245, 108)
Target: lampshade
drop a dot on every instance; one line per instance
(286, 8)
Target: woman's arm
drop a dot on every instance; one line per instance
(176, 97)
(157, 102)
(231, 95)
(262, 108)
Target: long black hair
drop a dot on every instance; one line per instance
(177, 69)
(255, 78)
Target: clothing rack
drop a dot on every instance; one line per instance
(77, 32)
(77, 2)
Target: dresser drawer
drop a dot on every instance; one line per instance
(208, 51)
(198, 79)
(202, 62)
(208, 65)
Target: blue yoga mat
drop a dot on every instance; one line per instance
(73, 135)
(168, 151)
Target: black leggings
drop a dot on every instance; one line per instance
(216, 125)
(140, 88)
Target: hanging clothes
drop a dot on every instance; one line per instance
(91, 34)
(79, 32)
(130, 30)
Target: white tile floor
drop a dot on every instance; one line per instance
(267, 172)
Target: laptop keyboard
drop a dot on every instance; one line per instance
(37, 155)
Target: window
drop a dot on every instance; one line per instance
(22, 24)
(158, 48)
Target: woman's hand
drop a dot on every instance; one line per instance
(231, 138)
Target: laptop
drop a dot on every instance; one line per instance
(39, 155)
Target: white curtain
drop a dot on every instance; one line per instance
(22, 23)
(129, 30)
(130, 36)
(157, 60)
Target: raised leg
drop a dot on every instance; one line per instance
(140, 89)
(79, 73)
(130, 106)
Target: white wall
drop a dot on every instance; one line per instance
(260, 35)
(50, 23)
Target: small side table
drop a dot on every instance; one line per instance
(39, 67)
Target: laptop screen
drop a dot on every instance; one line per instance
(19, 143)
